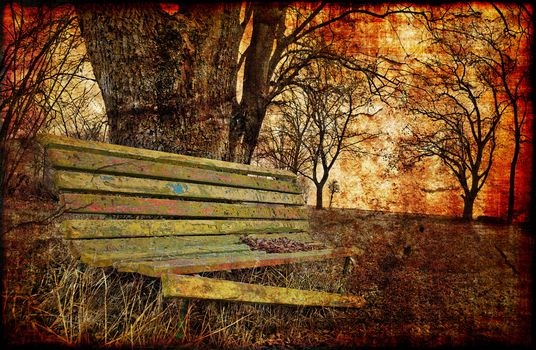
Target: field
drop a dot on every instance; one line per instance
(428, 282)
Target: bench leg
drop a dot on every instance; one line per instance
(346, 267)
(345, 271)
(185, 304)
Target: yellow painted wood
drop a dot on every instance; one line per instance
(189, 266)
(54, 141)
(108, 258)
(77, 181)
(207, 288)
(172, 242)
(206, 243)
(110, 204)
(151, 243)
(104, 252)
(99, 163)
(138, 228)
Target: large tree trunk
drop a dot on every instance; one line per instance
(468, 204)
(511, 190)
(3, 172)
(320, 195)
(168, 80)
(268, 20)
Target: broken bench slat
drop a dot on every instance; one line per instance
(103, 164)
(73, 181)
(190, 266)
(54, 141)
(74, 229)
(110, 204)
(208, 288)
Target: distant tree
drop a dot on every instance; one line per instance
(456, 104)
(333, 188)
(320, 121)
(75, 114)
(281, 142)
(505, 42)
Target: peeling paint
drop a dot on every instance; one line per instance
(178, 188)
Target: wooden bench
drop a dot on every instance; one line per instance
(170, 216)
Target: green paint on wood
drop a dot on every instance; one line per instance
(138, 228)
(104, 252)
(60, 142)
(76, 181)
(97, 163)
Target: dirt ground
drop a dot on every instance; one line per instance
(428, 282)
(435, 281)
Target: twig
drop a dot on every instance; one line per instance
(506, 260)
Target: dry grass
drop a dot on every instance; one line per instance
(428, 282)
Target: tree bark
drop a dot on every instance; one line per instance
(3, 172)
(511, 189)
(320, 195)
(246, 123)
(468, 204)
(168, 80)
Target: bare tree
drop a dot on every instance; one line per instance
(333, 188)
(321, 124)
(169, 77)
(505, 45)
(455, 106)
(77, 112)
(36, 69)
(281, 141)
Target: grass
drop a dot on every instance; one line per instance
(428, 282)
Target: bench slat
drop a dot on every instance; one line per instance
(54, 141)
(106, 260)
(189, 266)
(104, 252)
(141, 244)
(110, 204)
(209, 288)
(76, 181)
(73, 229)
(103, 259)
(98, 163)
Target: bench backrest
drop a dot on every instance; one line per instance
(159, 205)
